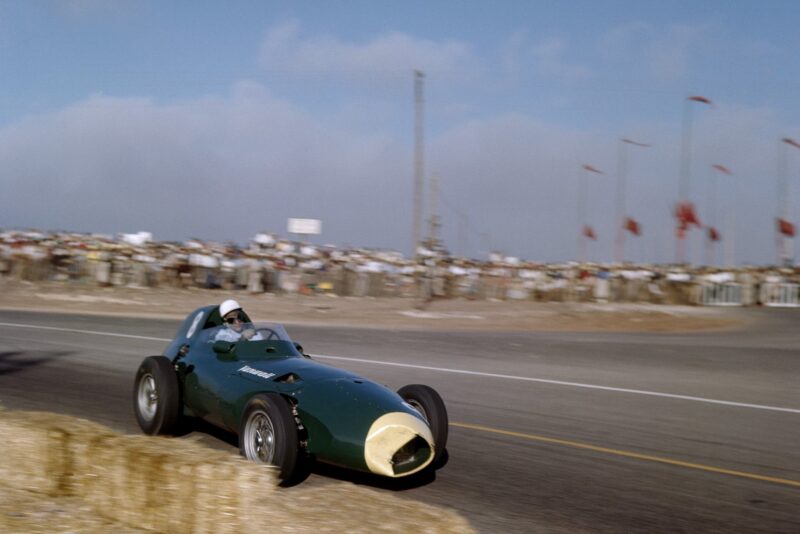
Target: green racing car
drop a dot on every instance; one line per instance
(286, 407)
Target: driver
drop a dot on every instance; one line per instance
(234, 325)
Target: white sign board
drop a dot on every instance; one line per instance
(138, 239)
(304, 226)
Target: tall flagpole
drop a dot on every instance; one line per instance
(582, 185)
(711, 255)
(583, 224)
(784, 243)
(622, 171)
(418, 159)
(686, 169)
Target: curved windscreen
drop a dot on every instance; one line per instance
(239, 332)
(249, 341)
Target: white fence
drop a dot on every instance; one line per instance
(728, 294)
(780, 295)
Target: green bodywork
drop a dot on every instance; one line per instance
(336, 408)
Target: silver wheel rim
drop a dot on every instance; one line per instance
(417, 406)
(147, 399)
(259, 438)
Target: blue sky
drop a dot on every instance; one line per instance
(222, 119)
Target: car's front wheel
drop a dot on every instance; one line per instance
(156, 396)
(268, 434)
(430, 405)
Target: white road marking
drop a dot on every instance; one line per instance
(570, 384)
(458, 371)
(90, 332)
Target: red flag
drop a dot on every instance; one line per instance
(700, 99)
(713, 235)
(786, 228)
(684, 212)
(588, 231)
(792, 142)
(632, 226)
(723, 169)
(591, 169)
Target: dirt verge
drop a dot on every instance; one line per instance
(395, 313)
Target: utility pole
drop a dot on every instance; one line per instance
(434, 222)
(419, 77)
(462, 234)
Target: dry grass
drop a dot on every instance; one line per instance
(62, 474)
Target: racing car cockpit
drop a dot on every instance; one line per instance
(204, 328)
(255, 341)
(245, 331)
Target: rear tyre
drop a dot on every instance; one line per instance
(156, 396)
(268, 434)
(430, 405)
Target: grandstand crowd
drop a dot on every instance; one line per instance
(269, 263)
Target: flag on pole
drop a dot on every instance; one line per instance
(786, 228)
(686, 215)
(632, 226)
(792, 142)
(701, 99)
(723, 169)
(591, 169)
(643, 145)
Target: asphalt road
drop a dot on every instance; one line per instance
(550, 432)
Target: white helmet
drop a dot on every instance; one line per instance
(228, 306)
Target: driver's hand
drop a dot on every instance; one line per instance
(247, 334)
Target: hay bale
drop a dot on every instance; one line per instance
(31, 513)
(43, 452)
(171, 485)
(180, 486)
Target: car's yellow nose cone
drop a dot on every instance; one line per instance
(398, 444)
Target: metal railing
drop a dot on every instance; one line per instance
(727, 294)
(780, 295)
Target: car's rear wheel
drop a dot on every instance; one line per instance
(156, 396)
(268, 434)
(430, 405)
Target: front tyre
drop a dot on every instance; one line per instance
(156, 396)
(268, 434)
(430, 405)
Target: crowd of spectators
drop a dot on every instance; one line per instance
(272, 264)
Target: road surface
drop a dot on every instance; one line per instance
(550, 432)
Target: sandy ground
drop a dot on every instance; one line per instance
(397, 313)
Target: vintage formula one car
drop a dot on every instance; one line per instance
(285, 407)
